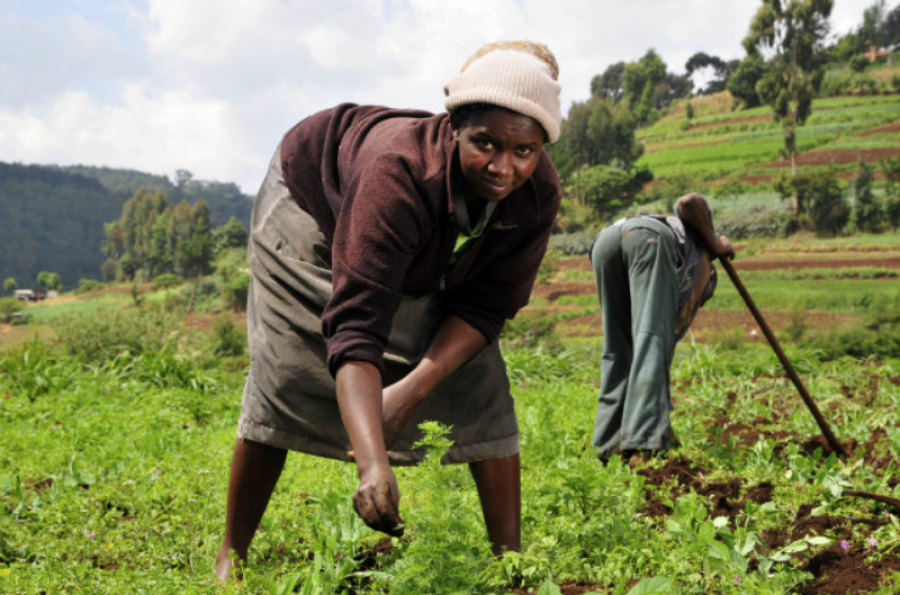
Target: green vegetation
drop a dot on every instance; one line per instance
(113, 480)
(52, 218)
(118, 435)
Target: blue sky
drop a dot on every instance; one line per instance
(211, 85)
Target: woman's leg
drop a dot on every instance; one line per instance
(499, 489)
(255, 469)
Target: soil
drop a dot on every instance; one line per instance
(891, 128)
(837, 156)
(369, 558)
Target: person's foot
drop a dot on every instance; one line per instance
(636, 456)
(228, 567)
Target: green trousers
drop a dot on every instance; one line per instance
(635, 268)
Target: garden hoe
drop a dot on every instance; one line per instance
(823, 425)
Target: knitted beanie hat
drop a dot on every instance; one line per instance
(520, 76)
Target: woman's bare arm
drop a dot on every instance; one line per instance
(455, 342)
(694, 211)
(359, 397)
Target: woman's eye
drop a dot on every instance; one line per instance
(486, 143)
(524, 151)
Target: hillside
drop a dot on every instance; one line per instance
(52, 218)
(720, 144)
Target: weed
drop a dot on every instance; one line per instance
(32, 369)
(229, 341)
(448, 552)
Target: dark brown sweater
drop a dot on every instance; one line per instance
(379, 182)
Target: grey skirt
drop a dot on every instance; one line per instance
(289, 398)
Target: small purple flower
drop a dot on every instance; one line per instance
(845, 545)
(736, 580)
(872, 542)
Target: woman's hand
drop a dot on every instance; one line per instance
(723, 248)
(453, 344)
(694, 212)
(398, 405)
(377, 500)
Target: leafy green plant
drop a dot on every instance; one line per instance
(32, 369)
(448, 552)
(229, 341)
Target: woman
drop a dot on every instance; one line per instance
(388, 247)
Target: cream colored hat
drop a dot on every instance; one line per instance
(511, 75)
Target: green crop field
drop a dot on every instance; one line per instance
(720, 142)
(117, 440)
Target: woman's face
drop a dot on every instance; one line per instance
(498, 150)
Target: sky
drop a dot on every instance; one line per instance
(210, 86)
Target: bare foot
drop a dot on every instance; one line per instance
(228, 566)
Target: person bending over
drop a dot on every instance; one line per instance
(387, 249)
(653, 274)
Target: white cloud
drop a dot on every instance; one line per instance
(211, 86)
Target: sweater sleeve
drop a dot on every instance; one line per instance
(378, 233)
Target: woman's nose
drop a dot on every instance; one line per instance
(501, 164)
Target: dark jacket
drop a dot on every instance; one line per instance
(379, 182)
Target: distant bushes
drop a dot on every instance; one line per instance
(88, 286)
(166, 280)
(98, 339)
(8, 308)
(822, 199)
(572, 244)
(757, 221)
(879, 337)
(852, 82)
(228, 339)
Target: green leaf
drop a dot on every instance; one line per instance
(549, 588)
(818, 540)
(653, 586)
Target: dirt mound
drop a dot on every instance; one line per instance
(849, 571)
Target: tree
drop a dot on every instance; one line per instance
(891, 26)
(10, 285)
(49, 281)
(742, 83)
(869, 212)
(829, 211)
(196, 252)
(182, 177)
(872, 32)
(636, 76)
(603, 187)
(794, 31)
(598, 131)
(231, 235)
(109, 269)
(8, 307)
(721, 71)
(609, 85)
